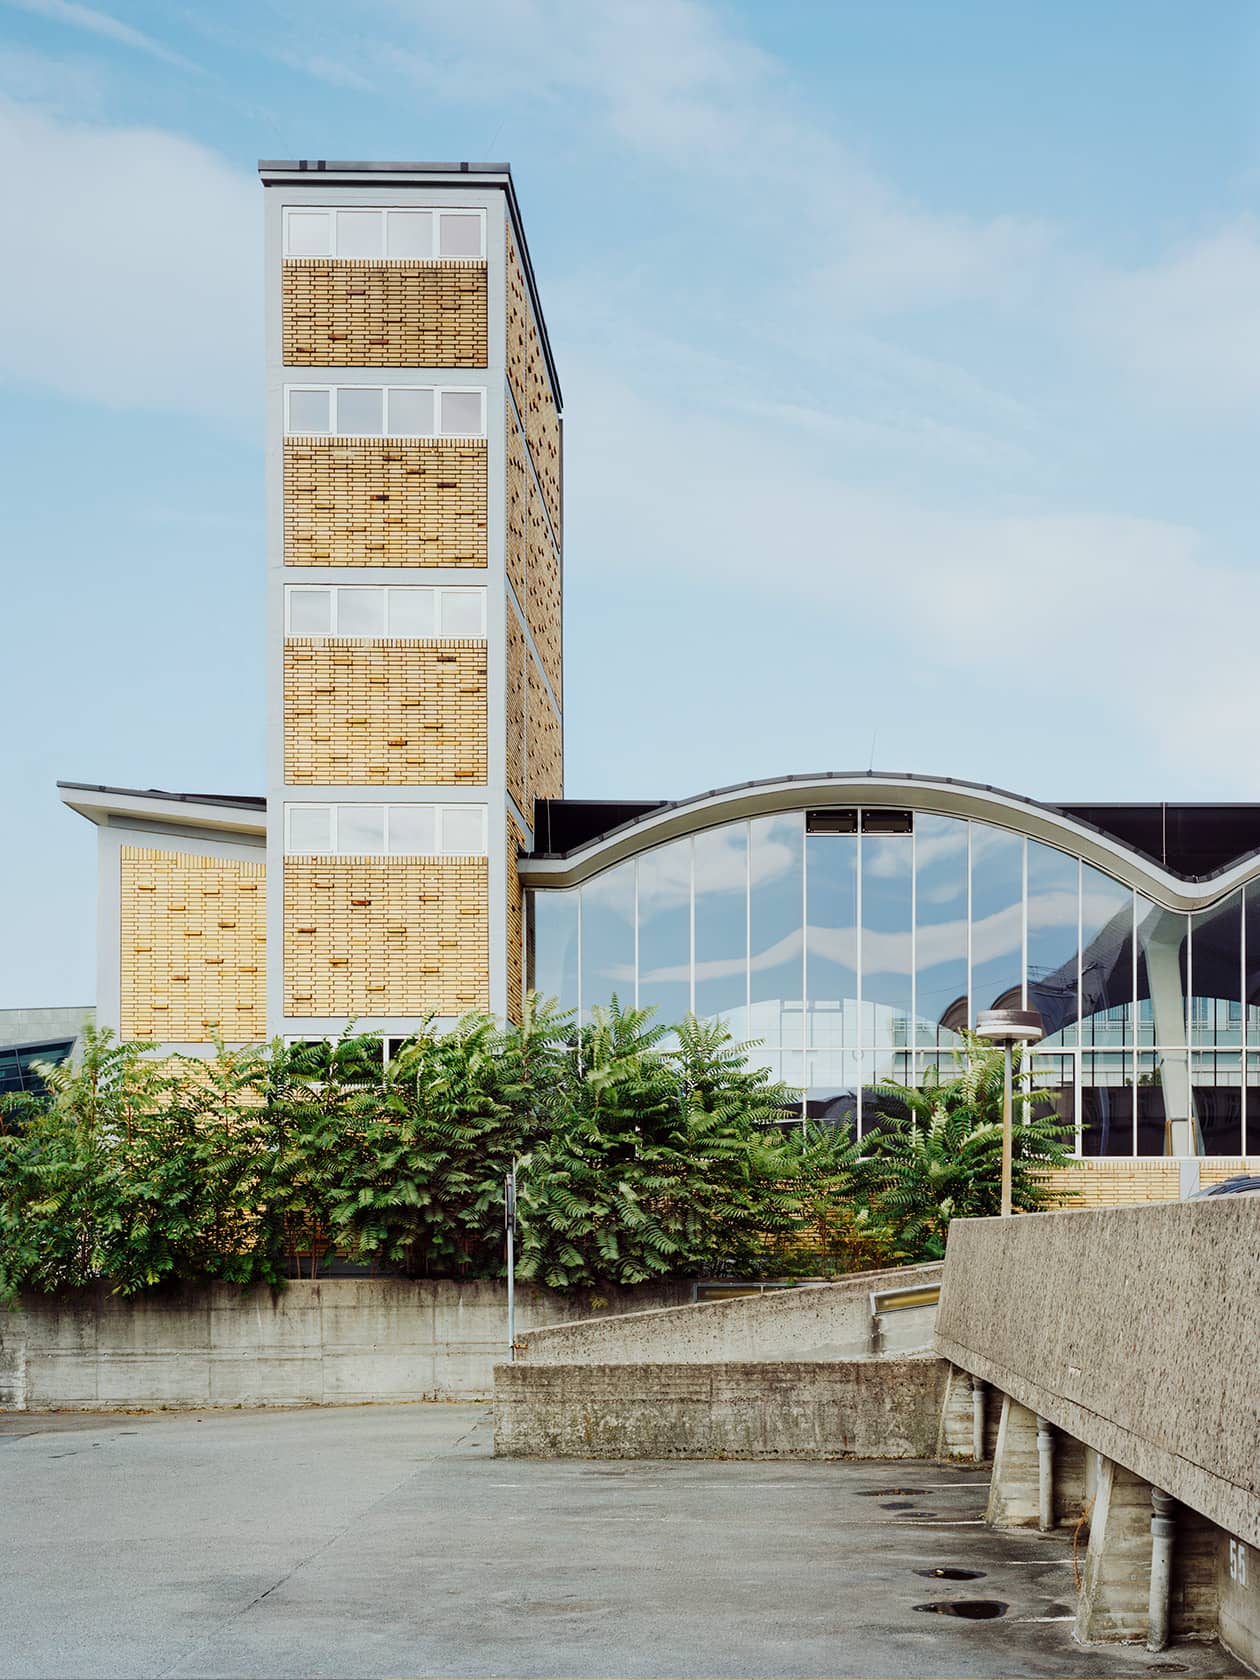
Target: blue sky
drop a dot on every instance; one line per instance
(911, 357)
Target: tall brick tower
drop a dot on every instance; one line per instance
(414, 591)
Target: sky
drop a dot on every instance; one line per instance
(910, 355)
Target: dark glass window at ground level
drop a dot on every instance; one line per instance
(18, 1076)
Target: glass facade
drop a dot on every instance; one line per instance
(855, 945)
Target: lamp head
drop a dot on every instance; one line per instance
(1009, 1026)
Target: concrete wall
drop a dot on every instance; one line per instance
(816, 1322)
(1134, 1329)
(336, 1341)
(874, 1408)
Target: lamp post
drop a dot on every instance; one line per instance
(1008, 1027)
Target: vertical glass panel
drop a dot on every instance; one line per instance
(410, 411)
(1163, 951)
(721, 890)
(361, 612)
(1216, 974)
(1106, 1103)
(309, 233)
(1252, 1116)
(608, 939)
(553, 967)
(1053, 907)
(309, 412)
(1165, 1111)
(1216, 1094)
(464, 830)
(887, 863)
(883, 1109)
(359, 409)
(360, 233)
(310, 612)
(413, 612)
(461, 413)
(361, 828)
(463, 612)
(460, 234)
(940, 896)
(834, 1083)
(665, 931)
(776, 909)
(1054, 1077)
(831, 939)
(409, 235)
(310, 828)
(1251, 955)
(1106, 960)
(413, 828)
(997, 918)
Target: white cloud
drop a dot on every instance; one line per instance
(88, 19)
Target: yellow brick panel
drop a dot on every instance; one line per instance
(544, 741)
(386, 713)
(192, 947)
(516, 506)
(1215, 1170)
(517, 653)
(385, 935)
(384, 502)
(518, 314)
(542, 594)
(515, 922)
(357, 313)
(1113, 1183)
(531, 385)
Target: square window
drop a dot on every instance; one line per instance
(308, 412)
(460, 234)
(361, 612)
(410, 234)
(410, 411)
(464, 830)
(360, 233)
(359, 411)
(412, 612)
(310, 828)
(461, 413)
(310, 612)
(413, 828)
(309, 233)
(361, 828)
(463, 612)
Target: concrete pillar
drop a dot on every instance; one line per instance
(955, 1438)
(1014, 1500)
(1115, 1596)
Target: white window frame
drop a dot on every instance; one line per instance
(383, 210)
(336, 590)
(439, 391)
(440, 813)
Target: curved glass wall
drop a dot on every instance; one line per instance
(855, 945)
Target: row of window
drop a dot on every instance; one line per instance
(380, 830)
(356, 611)
(408, 235)
(385, 411)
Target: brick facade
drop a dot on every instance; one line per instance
(515, 922)
(358, 313)
(542, 594)
(517, 653)
(544, 740)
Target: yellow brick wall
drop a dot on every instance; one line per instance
(515, 921)
(381, 502)
(356, 313)
(192, 947)
(517, 653)
(544, 745)
(1215, 1169)
(1113, 1183)
(531, 386)
(385, 936)
(542, 594)
(516, 507)
(385, 713)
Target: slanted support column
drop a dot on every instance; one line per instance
(1045, 1476)
(956, 1437)
(1014, 1492)
(1115, 1598)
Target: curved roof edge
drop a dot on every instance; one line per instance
(890, 789)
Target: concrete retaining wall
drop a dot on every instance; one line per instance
(815, 1322)
(874, 1408)
(336, 1341)
(1135, 1329)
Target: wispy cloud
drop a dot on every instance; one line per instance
(94, 22)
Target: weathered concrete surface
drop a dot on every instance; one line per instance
(872, 1408)
(1238, 1598)
(816, 1321)
(1135, 1329)
(329, 1342)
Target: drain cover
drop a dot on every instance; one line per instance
(973, 1609)
(951, 1574)
(898, 1505)
(882, 1493)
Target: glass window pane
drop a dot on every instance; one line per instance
(608, 939)
(310, 828)
(1163, 951)
(1106, 959)
(1053, 907)
(461, 234)
(1163, 1103)
(361, 612)
(1252, 1139)
(410, 411)
(413, 612)
(721, 887)
(310, 612)
(461, 413)
(464, 830)
(463, 612)
(361, 828)
(410, 234)
(831, 940)
(997, 918)
(887, 876)
(1216, 974)
(359, 411)
(1106, 1103)
(1251, 990)
(413, 828)
(1055, 1078)
(360, 233)
(777, 915)
(310, 233)
(665, 931)
(553, 935)
(1216, 1093)
(940, 896)
(308, 412)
